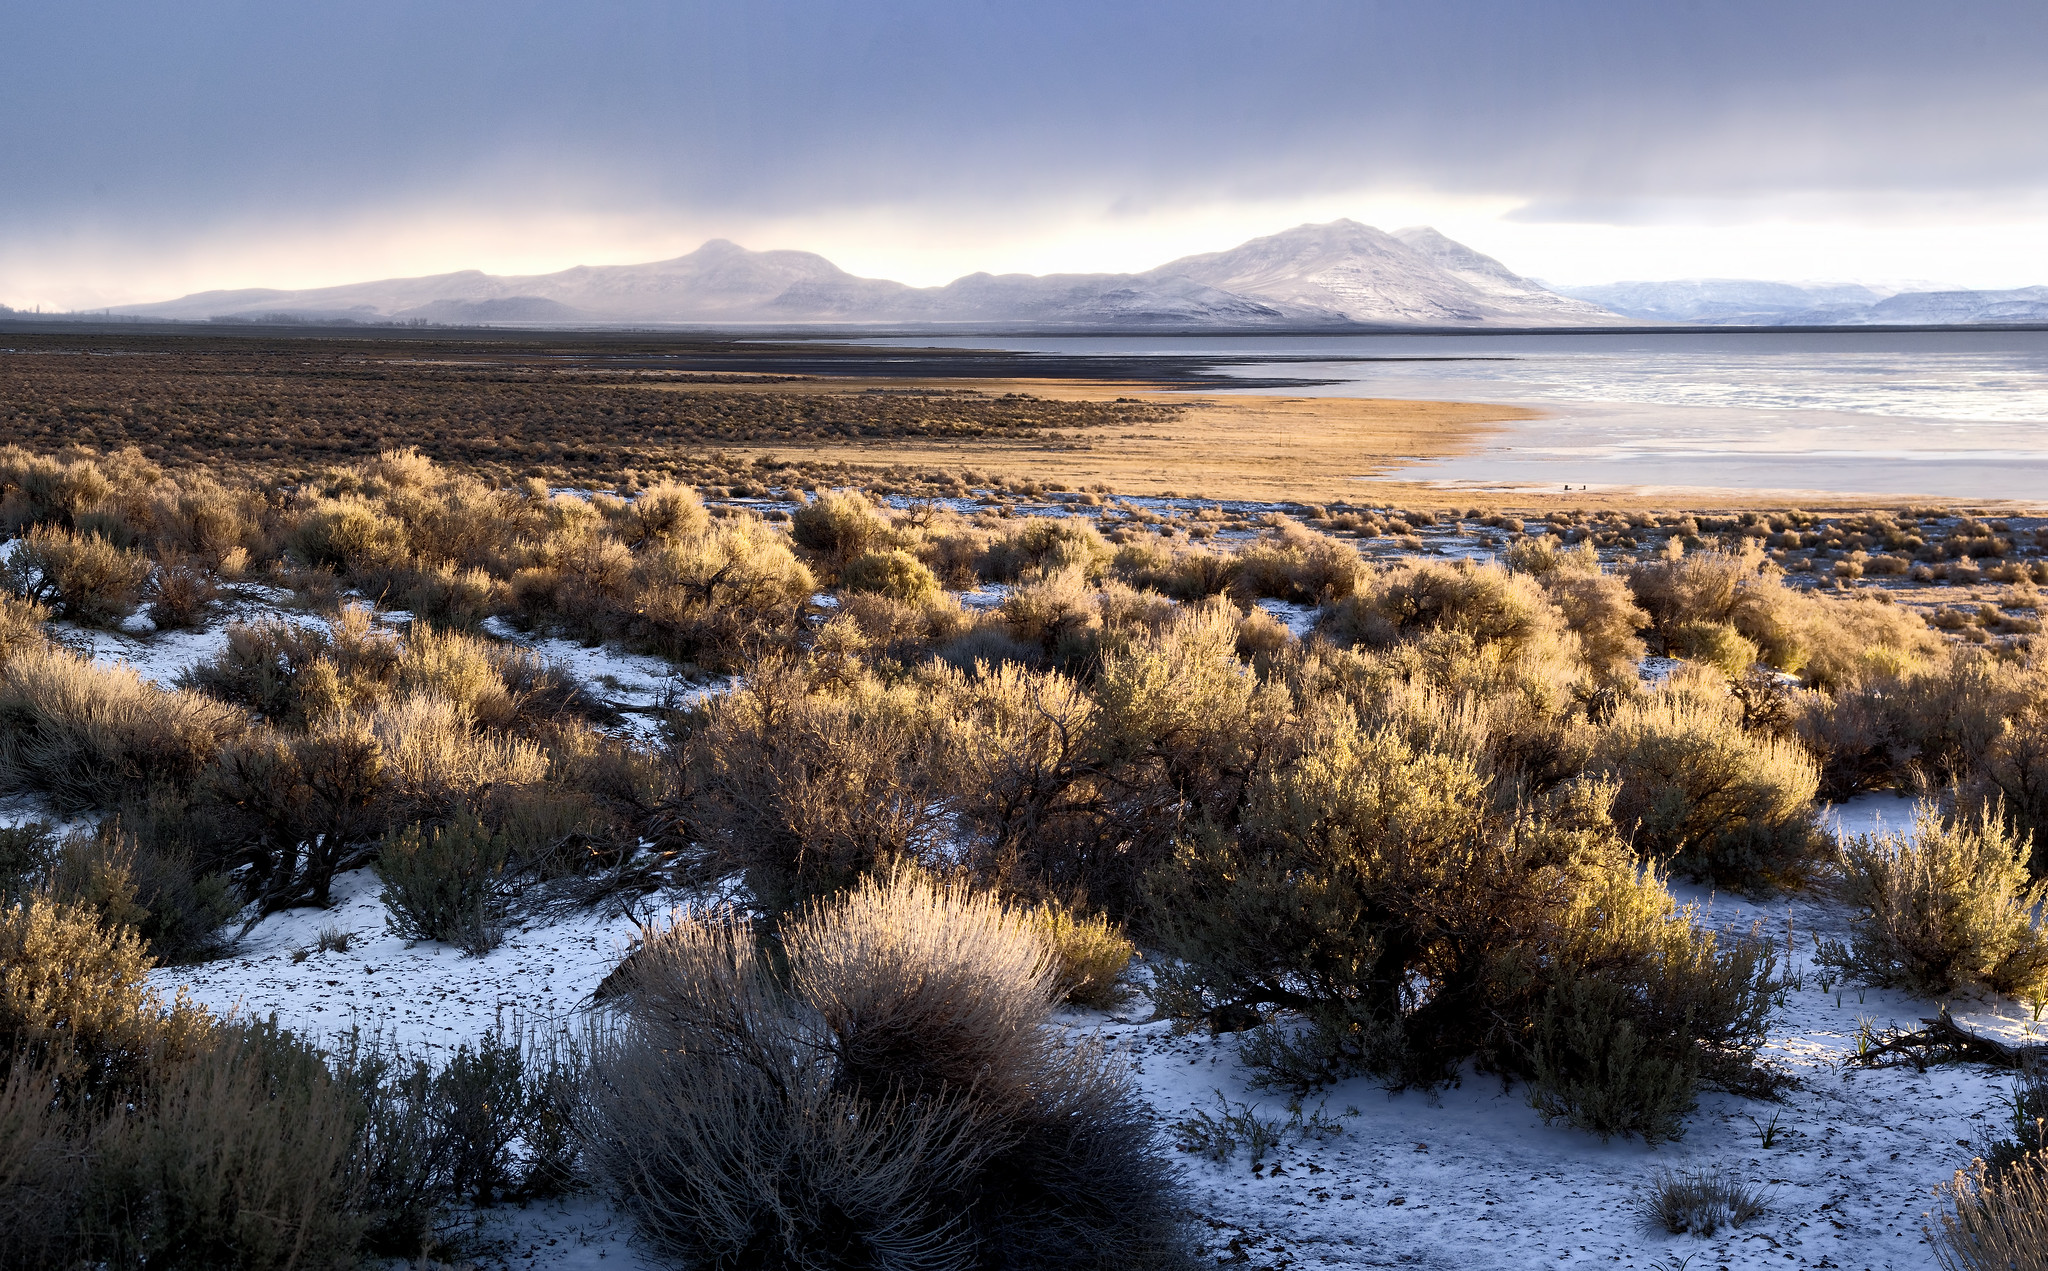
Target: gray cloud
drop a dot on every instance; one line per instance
(152, 118)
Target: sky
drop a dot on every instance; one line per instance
(150, 150)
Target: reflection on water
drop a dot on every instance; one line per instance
(1954, 414)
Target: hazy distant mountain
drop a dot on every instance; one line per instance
(1335, 275)
(1917, 308)
(1748, 302)
(1732, 300)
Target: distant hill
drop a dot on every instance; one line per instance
(1342, 274)
(1751, 302)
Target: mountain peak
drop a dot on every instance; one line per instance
(1338, 272)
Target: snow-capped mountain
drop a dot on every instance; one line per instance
(1356, 273)
(1317, 276)
(1751, 302)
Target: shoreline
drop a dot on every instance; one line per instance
(1277, 448)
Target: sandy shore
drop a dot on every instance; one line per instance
(1312, 449)
(1279, 448)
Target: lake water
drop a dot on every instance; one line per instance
(1951, 415)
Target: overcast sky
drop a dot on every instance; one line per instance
(149, 150)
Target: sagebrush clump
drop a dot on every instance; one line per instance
(894, 1097)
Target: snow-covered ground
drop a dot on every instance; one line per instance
(1468, 1177)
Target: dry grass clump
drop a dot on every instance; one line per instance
(894, 1100)
(1706, 797)
(1949, 907)
(1994, 1221)
(1701, 1202)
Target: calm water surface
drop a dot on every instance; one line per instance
(1944, 414)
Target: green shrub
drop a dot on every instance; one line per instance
(83, 577)
(1089, 954)
(1708, 799)
(899, 1099)
(236, 1158)
(1407, 917)
(1591, 1068)
(446, 883)
(896, 574)
(1718, 644)
(1945, 909)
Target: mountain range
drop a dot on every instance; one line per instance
(1341, 274)
(1750, 302)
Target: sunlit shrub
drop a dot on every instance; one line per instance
(838, 527)
(803, 791)
(82, 577)
(1718, 644)
(76, 987)
(895, 574)
(88, 735)
(1353, 893)
(1948, 907)
(1049, 544)
(1708, 799)
(1089, 953)
(900, 1096)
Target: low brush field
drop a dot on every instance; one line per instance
(570, 804)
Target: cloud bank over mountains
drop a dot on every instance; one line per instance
(1340, 274)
